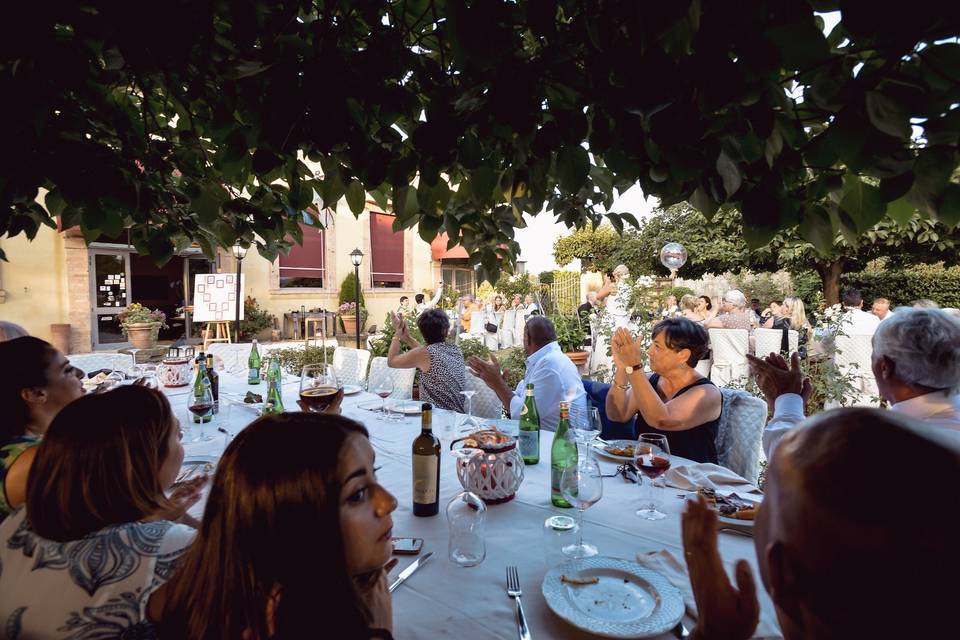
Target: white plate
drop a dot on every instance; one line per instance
(406, 407)
(735, 523)
(629, 601)
(350, 389)
(600, 448)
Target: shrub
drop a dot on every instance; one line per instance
(546, 277)
(381, 346)
(763, 286)
(293, 360)
(509, 286)
(473, 347)
(808, 287)
(514, 363)
(902, 286)
(348, 291)
(255, 319)
(570, 334)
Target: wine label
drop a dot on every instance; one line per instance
(425, 479)
(529, 444)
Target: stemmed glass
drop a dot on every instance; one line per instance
(470, 422)
(582, 486)
(149, 374)
(200, 405)
(585, 429)
(652, 457)
(319, 387)
(384, 389)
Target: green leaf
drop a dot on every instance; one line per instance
(949, 211)
(862, 202)
(356, 197)
(573, 165)
(482, 182)
(703, 203)
(729, 173)
(887, 116)
(380, 197)
(54, 202)
(817, 229)
(896, 187)
(901, 210)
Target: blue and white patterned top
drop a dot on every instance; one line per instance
(87, 589)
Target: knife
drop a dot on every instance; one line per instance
(406, 573)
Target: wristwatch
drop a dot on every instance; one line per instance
(629, 370)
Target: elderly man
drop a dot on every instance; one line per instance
(825, 554)
(733, 313)
(881, 309)
(553, 375)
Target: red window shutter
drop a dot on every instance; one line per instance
(306, 261)
(386, 263)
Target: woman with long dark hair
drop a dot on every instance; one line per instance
(295, 539)
(97, 536)
(36, 382)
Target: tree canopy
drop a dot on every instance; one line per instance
(192, 122)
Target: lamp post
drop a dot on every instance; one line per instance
(239, 252)
(356, 257)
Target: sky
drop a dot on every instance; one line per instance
(536, 241)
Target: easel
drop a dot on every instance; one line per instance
(222, 333)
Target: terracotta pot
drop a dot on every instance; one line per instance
(142, 335)
(578, 358)
(350, 324)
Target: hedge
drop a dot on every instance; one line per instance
(903, 286)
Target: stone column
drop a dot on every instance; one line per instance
(79, 309)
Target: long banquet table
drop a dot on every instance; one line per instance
(444, 600)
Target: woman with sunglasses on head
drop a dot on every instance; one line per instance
(97, 537)
(295, 540)
(36, 384)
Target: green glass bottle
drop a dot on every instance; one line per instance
(530, 429)
(274, 400)
(563, 454)
(253, 365)
(202, 414)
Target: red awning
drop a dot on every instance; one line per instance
(438, 248)
(386, 263)
(305, 261)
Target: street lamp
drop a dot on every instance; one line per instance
(356, 257)
(239, 252)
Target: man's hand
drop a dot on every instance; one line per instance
(775, 378)
(489, 372)
(724, 611)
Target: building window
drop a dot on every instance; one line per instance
(458, 275)
(305, 266)
(386, 252)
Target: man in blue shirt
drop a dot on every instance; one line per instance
(554, 377)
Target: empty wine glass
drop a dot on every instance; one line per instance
(469, 421)
(384, 389)
(582, 486)
(652, 457)
(149, 374)
(200, 405)
(114, 379)
(585, 429)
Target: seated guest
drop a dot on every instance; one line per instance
(825, 554)
(734, 313)
(774, 310)
(857, 321)
(675, 401)
(34, 386)
(442, 372)
(791, 315)
(924, 303)
(96, 538)
(553, 375)
(755, 307)
(881, 308)
(705, 308)
(295, 540)
(670, 306)
(688, 308)
(429, 304)
(9, 331)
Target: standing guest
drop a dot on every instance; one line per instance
(517, 302)
(857, 321)
(442, 372)
(498, 305)
(97, 537)
(675, 401)
(705, 308)
(32, 392)
(295, 541)
(824, 555)
(733, 313)
(615, 295)
(924, 303)
(404, 305)
(688, 308)
(466, 309)
(9, 331)
(553, 375)
(423, 306)
(881, 308)
(530, 307)
(583, 312)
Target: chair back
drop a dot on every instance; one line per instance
(729, 347)
(767, 341)
(402, 378)
(853, 355)
(740, 434)
(351, 364)
(486, 404)
(518, 323)
(95, 361)
(478, 318)
(610, 429)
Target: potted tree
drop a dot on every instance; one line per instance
(570, 337)
(142, 325)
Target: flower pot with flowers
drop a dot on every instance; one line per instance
(142, 325)
(349, 317)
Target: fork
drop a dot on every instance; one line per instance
(514, 591)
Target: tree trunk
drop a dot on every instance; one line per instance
(830, 272)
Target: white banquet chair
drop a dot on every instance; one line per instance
(350, 365)
(770, 340)
(87, 362)
(507, 337)
(402, 378)
(852, 355)
(729, 347)
(740, 433)
(486, 404)
(519, 323)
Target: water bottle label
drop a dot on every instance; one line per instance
(529, 444)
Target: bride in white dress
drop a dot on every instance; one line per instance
(615, 297)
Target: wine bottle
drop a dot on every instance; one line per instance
(274, 400)
(426, 467)
(214, 378)
(200, 382)
(253, 365)
(530, 429)
(563, 454)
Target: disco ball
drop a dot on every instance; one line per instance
(673, 255)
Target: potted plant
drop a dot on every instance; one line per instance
(142, 325)
(570, 336)
(257, 322)
(349, 317)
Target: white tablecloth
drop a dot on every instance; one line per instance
(443, 600)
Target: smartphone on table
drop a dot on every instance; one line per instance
(407, 546)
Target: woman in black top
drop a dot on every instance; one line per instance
(675, 400)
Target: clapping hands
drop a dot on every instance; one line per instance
(626, 350)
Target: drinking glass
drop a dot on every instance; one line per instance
(384, 389)
(465, 516)
(652, 457)
(585, 430)
(200, 405)
(582, 486)
(319, 387)
(469, 421)
(134, 371)
(114, 379)
(149, 374)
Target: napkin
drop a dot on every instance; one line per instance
(674, 570)
(709, 475)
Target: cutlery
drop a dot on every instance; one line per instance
(406, 573)
(738, 531)
(514, 591)
(681, 631)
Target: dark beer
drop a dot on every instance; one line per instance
(317, 399)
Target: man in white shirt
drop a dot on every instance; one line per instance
(881, 309)
(423, 306)
(857, 321)
(554, 377)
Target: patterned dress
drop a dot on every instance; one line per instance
(446, 379)
(8, 455)
(95, 587)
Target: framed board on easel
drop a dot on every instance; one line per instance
(215, 297)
